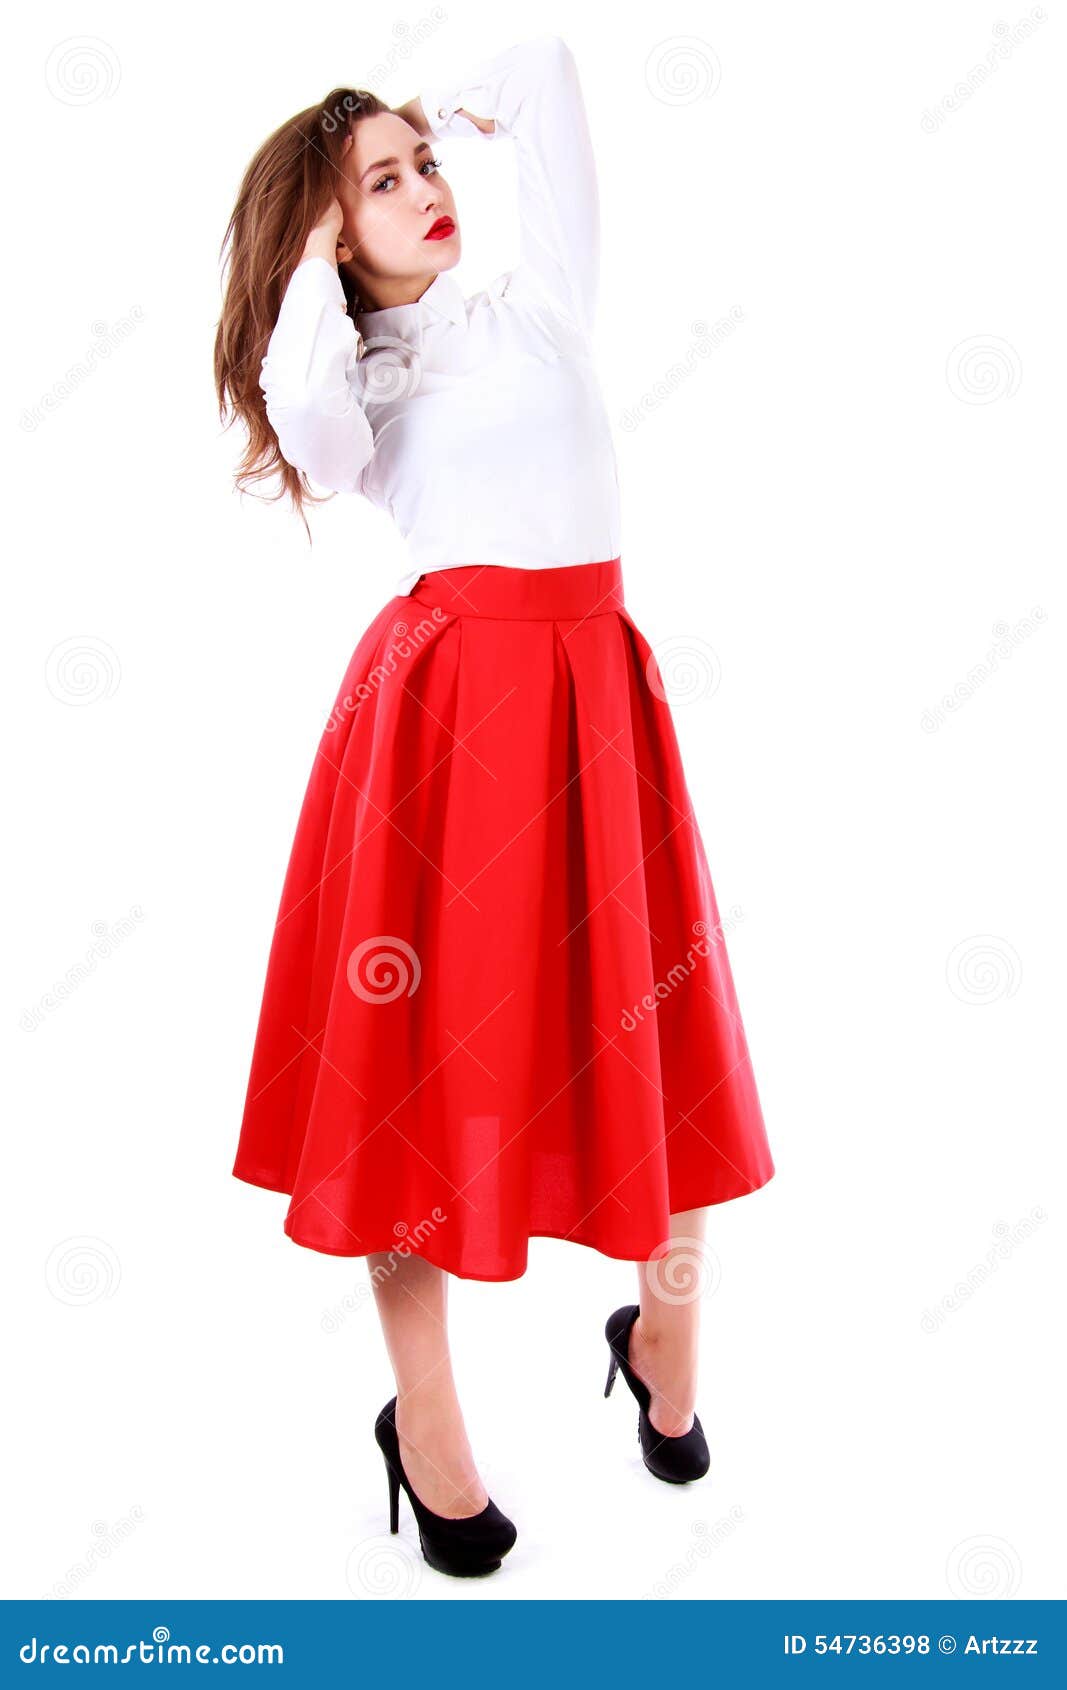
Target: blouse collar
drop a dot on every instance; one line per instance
(443, 298)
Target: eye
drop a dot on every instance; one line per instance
(427, 164)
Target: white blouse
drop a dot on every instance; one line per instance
(477, 423)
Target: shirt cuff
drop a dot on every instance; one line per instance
(318, 278)
(440, 104)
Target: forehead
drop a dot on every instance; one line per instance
(382, 137)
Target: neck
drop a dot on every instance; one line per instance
(382, 293)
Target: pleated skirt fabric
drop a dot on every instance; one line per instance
(498, 1003)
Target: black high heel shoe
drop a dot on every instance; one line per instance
(467, 1547)
(677, 1460)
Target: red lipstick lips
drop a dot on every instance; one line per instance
(440, 230)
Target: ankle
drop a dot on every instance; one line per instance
(430, 1399)
(430, 1418)
(665, 1361)
(664, 1341)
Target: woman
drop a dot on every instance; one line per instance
(498, 1004)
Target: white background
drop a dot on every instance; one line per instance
(831, 512)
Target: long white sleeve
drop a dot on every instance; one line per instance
(532, 91)
(307, 380)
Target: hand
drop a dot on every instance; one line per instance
(325, 238)
(332, 220)
(486, 124)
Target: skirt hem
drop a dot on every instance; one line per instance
(270, 1183)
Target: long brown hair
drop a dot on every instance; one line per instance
(286, 189)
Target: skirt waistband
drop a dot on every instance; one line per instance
(571, 591)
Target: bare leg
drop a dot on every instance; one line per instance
(664, 1338)
(412, 1300)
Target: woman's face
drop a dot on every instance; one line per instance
(392, 196)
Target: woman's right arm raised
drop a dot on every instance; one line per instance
(311, 403)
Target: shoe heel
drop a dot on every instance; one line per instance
(613, 1368)
(394, 1498)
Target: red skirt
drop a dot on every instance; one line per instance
(498, 1003)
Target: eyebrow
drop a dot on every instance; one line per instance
(423, 147)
